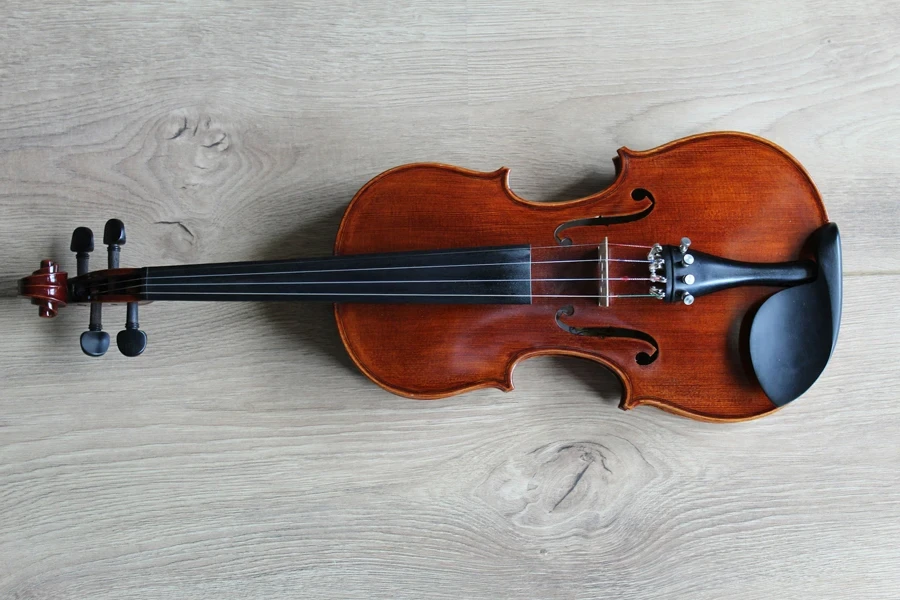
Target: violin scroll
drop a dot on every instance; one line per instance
(50, 289)
(47, 287)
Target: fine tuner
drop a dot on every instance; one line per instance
(443, 279)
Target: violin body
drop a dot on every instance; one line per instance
(733, 194)
(444, 280)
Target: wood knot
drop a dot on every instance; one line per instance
(196, 152)
(178, 240)
(564, 486)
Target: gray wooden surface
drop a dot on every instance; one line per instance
(244, 456)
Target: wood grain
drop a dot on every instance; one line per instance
(244, 456)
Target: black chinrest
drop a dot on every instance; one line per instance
(794, 332)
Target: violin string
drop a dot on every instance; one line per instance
(149, 284)
(136, 284)
(354, 294)
(154, 280)
(407, 281)
(588, 245)
(633, 296)
(150, 278)
(353, 269)
(430, 254)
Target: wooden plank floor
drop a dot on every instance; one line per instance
(244, 456)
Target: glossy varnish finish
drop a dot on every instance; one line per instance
(47, 287)
(734, 195)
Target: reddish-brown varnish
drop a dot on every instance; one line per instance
(47, 288)
(734, 195)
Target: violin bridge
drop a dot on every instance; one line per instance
(603, 272)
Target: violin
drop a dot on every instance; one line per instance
(707, 277)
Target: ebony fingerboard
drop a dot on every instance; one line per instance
(500, 275)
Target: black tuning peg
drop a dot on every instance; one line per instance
(95, 341)
(131, 340)
(82, 245)
(114, 238)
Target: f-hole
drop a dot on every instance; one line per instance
(641, 358)
(637, 195)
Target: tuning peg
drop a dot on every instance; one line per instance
(114, 238)
(131, 340)
(95, 341)
(82, 244)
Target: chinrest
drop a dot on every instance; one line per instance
(794, 332)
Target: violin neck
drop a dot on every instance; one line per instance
(496, 275)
